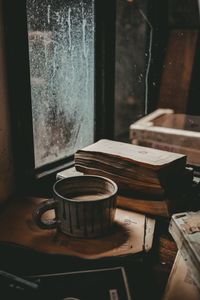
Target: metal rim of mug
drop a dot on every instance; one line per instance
(88, 176)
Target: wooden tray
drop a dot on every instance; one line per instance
(165, 130)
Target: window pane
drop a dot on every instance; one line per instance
(61, 54)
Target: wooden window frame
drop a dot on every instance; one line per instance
(19, 90)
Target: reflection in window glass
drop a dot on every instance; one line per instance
(61, 54)
(132, 63)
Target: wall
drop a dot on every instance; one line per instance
(6, 160)
(132, 33)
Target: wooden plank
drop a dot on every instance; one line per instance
(177, 70)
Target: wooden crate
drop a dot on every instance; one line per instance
(165, 130)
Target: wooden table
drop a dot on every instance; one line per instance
(147, 274)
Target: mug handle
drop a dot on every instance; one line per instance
(40, 210)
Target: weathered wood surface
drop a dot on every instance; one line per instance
(177, 70)
(128, 237)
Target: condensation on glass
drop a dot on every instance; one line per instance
(61, 55)
(132, 64)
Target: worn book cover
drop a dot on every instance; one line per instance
(94, 284)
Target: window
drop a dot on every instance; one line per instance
(60, 82)
(84, 70)
(61, 57)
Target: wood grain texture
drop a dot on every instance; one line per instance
(7, 181)
(127, 238)
(177, 70)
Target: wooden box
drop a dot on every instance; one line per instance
(163, 129)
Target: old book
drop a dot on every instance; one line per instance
(185, 229)
(165, 207)
(179, 201)
(68, 173)
(180, 285)
(96, 283)
(99, 284)
(145, 206)
(145, 170)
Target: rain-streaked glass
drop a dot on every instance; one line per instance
(61, 54)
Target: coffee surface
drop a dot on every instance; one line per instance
(86, 196)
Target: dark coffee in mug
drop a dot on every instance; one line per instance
(86, 196)
(84, 206)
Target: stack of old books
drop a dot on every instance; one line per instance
(149, 180)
